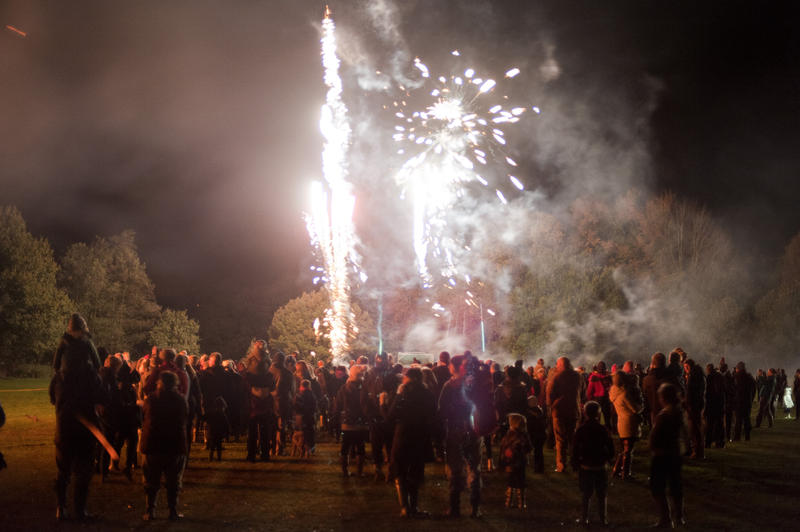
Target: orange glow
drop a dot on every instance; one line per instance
(15, 30)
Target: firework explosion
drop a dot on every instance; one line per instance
(330, 224)
(454, 139)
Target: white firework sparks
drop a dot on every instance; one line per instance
(451, 141)
(331, 222)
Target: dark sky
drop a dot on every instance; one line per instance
(196, 123)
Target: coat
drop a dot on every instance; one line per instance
(164, 428)
(563, 395)
(629, 411)
(413, 413)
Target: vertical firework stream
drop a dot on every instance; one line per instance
(330, 224)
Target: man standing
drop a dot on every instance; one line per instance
(380, 432)
(283, 396)
(563, 400)
(745, 390)
(715, 407)
(75, 391)
(766, 391)
(665, 467)
(695, 403)
(462, 445)
(259, 384)
(164, 443)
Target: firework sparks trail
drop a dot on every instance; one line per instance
(450, 141)
(16, 31)
(331, 222)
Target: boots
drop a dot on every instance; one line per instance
(219, 455)
(211, 455)
(172, 501)
(509, 497)
(663, 512)
(521, 503)
(627, 461)
(150, 502)
(379, 476)
(402, 498)
(81, 495)
(61, 494)
(455, 505)
(584, 519)
(602, 509)
(413, 498)
(617, 472)
(678, 512)
(360, 465)
(345, 472)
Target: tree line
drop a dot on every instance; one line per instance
(105, 280)
(615, 279)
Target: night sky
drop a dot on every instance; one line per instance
(196, 123)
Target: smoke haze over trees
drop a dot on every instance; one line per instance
(196, 126)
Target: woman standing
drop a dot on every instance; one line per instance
(626, 396)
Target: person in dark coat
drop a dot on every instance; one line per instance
(715, 407)
(259, 385)
(112, 413)
(349, 406)
(305, 410)
(380, 433)
(413, 415)
(442, 371)
(511, 397)
(462, 444)
(592, 449)
(514, 449)
(745, 391)
(563, 401)
(665, 466)
(194, 399)
(695, 404)
(334, 384)
(164, 443)
(658, 375)
(536, 422)
(75, 390)
(730, 399)
(766, 390)
(796, 393)
(70, 359)
(218, 427)
(283, 399)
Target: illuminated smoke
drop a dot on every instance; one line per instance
(452, 141)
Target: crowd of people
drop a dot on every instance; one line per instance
(473, 415)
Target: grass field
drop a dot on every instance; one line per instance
(747, 486)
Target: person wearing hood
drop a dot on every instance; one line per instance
(413, 413)
(75, 390)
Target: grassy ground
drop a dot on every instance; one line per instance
(747, 486)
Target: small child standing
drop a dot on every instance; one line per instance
(217, 427)
(514, 449)
(592, 449)
(305, 407)
(537, 432)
